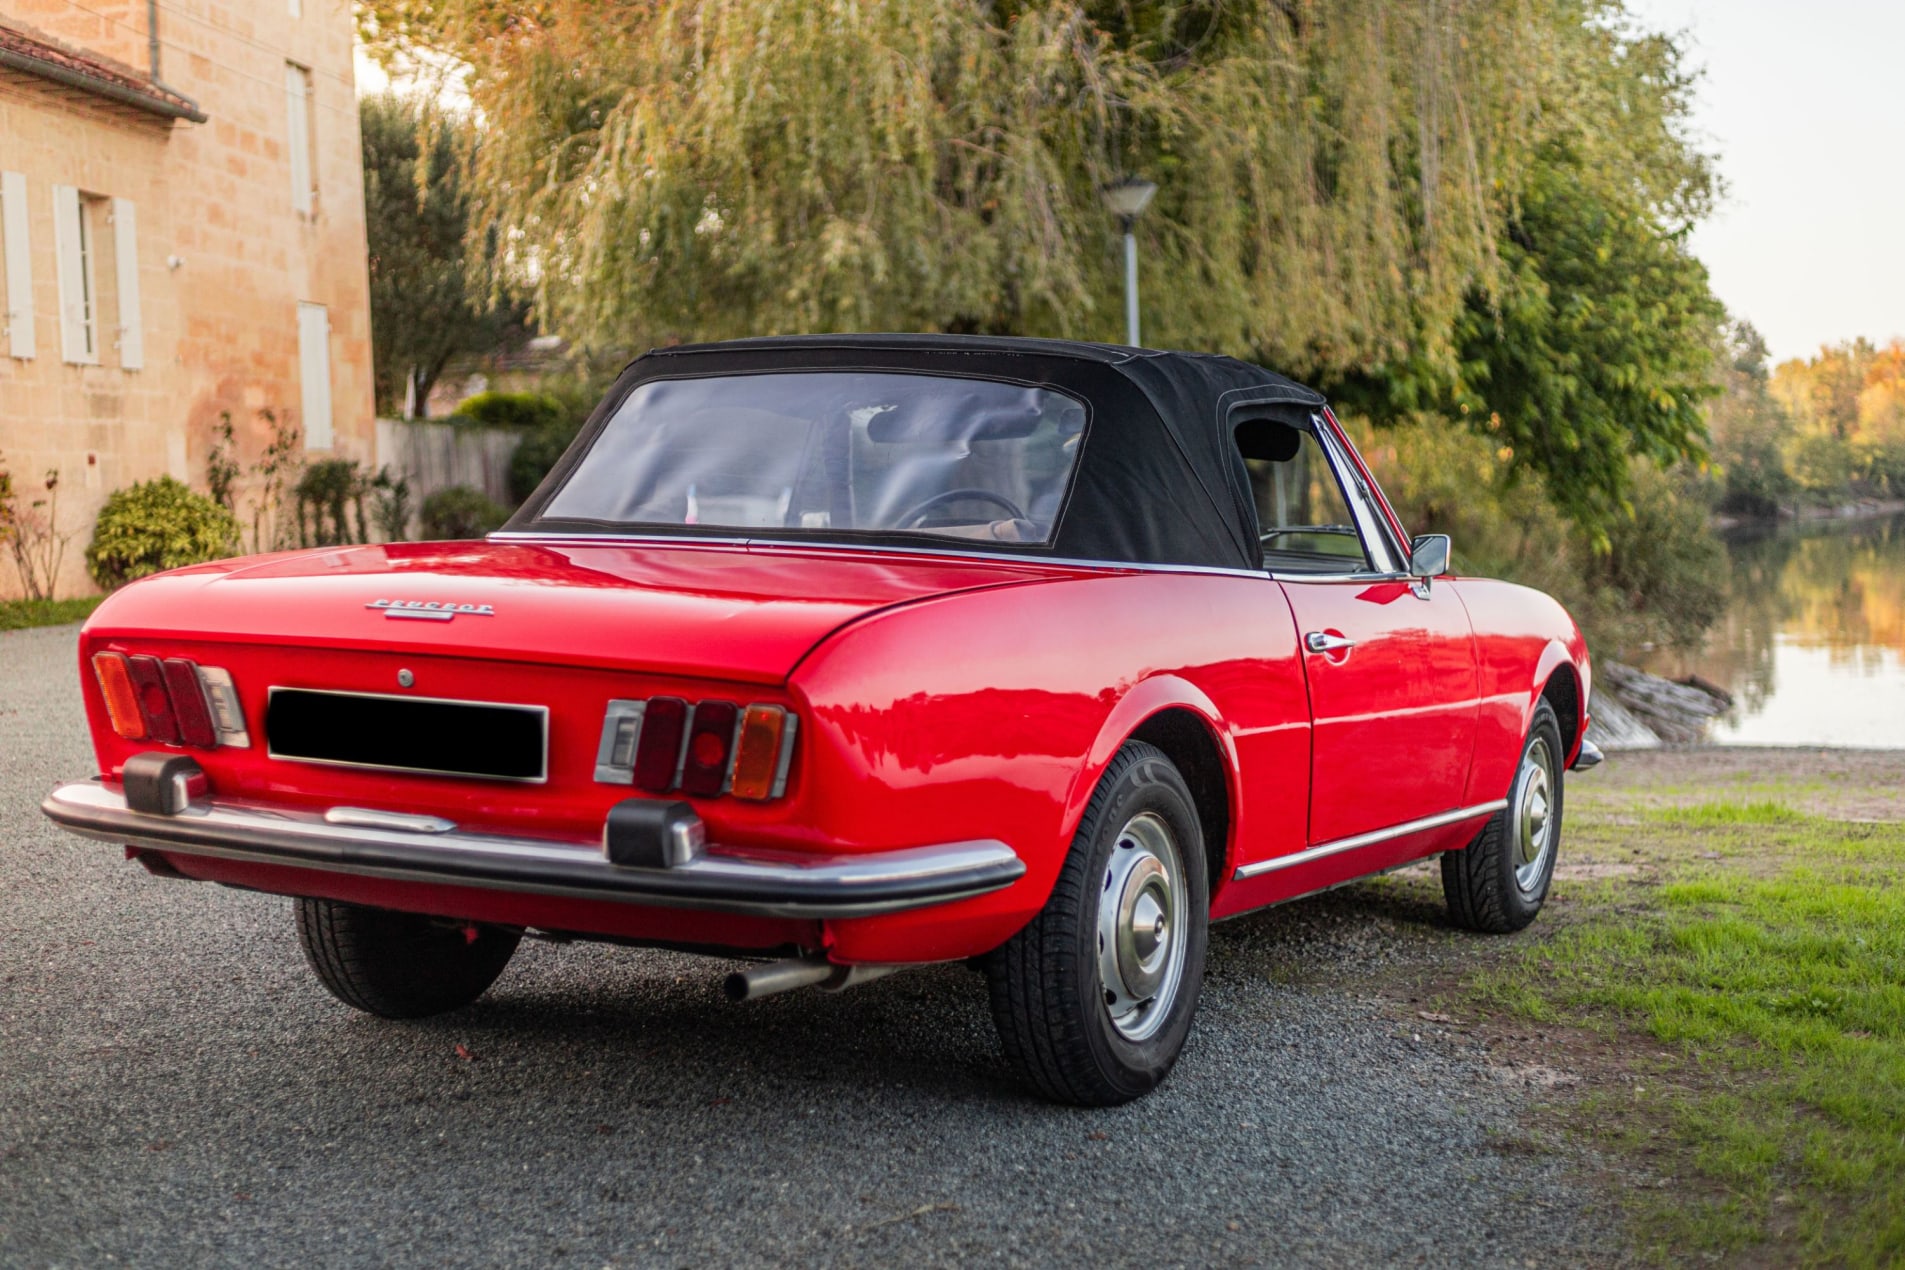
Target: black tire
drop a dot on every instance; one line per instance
(1048, 989)
(399, 965)
(1480, 882)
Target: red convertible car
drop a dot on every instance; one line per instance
(846, 654)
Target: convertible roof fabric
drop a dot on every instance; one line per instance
(1159, 480)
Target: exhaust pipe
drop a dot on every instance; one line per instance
(799, 972)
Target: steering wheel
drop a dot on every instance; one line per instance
(917, 513)
(1348, 531)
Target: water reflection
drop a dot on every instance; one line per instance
(1813, 642)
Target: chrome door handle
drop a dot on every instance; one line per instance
(1324, 642)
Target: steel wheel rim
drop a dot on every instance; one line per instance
(1142, 930)
(1534, 821)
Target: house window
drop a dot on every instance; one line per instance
(314, 374)
(299, 139)
(79, 292)
(19, 264)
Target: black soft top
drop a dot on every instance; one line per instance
(1159, 479)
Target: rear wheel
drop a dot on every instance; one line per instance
(400, 965)
(1094, 998)
(1500, 881)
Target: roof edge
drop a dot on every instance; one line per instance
(71, 68)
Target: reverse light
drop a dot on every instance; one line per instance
(174, 701)
(703, 749)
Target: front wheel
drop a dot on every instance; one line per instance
(1500, 881)
(400, 965)
(1094, 998)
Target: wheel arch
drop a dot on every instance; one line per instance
(1558, 682)
(1179, 719)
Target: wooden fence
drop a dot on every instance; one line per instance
(434, 456)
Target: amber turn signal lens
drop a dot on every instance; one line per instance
(122, 699)
(757, 759)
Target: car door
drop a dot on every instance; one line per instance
(1389, 660)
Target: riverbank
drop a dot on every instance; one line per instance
(1709, 1004)
(1858, 509)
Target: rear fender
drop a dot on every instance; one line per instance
(1149, 698)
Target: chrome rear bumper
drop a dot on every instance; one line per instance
(729, 879)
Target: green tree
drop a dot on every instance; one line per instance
(427, 295)
(1476, 209)
(1750, 429)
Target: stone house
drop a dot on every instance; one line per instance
(182, 237)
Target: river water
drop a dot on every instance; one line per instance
(1812, 646)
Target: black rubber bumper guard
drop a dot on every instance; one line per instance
(685, 872)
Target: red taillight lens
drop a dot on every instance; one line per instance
(658, 753)
(762, 754)
(704, 773)
(175, 701)
(705, 749)
(155, 703)
(122, 699)
(188, 704)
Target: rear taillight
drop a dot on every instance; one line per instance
(762, 753)
(122, 699)
(704, 749)
(175, 701)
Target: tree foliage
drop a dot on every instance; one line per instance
(1473, 208)
(427, 295)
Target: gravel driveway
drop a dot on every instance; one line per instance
(175, 1088)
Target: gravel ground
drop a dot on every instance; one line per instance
(175, 1088)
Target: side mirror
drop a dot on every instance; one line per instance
(1429, 556)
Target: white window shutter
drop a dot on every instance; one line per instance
(19, 263)
(125, 243)
(75, 287)
(297, 108)
(314, 374)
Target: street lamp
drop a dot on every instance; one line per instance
(1127, 200)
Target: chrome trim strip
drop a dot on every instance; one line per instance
(795, 544)
(371, 818)
(540, 778)
(754, 881)
(1369, 839)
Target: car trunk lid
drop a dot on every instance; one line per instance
(731, 611)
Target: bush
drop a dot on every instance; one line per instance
(548, 423)
(157, 525)
(523, 411)
(540, 450)
(460, 512)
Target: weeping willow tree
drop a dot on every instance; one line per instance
(1340, 181)
(1332, 176)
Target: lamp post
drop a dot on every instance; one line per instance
(1127, 200)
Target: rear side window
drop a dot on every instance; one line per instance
(833, 451)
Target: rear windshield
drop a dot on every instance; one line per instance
(832, 451)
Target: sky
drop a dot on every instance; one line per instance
(1805, 106)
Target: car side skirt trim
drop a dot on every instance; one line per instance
(750, 881)
(1369, 839)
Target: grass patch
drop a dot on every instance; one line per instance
(1718, 814)
(1780, 990)
(17, 615)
